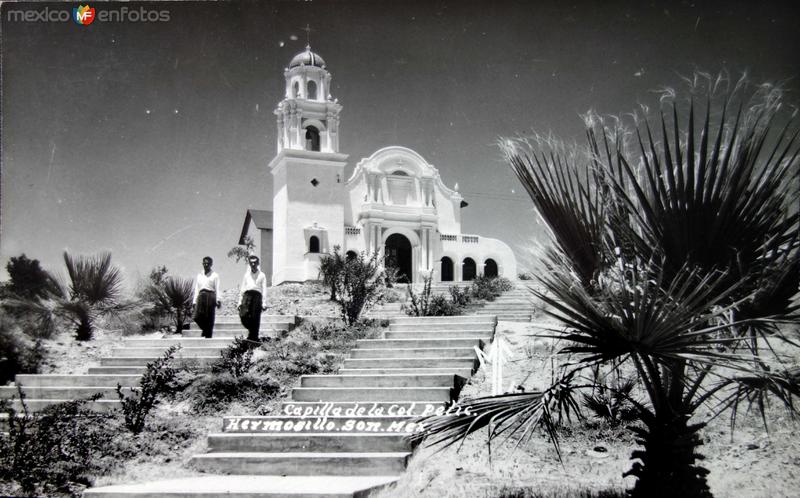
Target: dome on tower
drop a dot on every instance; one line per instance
(307, 58)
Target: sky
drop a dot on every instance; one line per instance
(151, 139)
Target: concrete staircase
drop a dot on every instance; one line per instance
(516, 305)
(127, 362)
(340, 435)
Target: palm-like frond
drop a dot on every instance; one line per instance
(93, 278)
(504, 415)
(632, 313)
(567, 201)
(757, 388)
(178, 292)
(714, 198)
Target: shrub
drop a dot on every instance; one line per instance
(428, 304)
(291, 357)
(439, 305)
(488, 288)
(420, 303)
(166, 297)
(237, 358)
(18, 353)
(390, 295)
(460, 296)
(330, 266)
(55, 450)
(336, 336)
(212, 392)
(612, 402)
(155, 382)
(359, 285)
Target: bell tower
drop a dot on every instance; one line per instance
(308, 117)
(307, 172)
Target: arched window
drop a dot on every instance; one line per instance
(296, 90)
(447, 269)
(468, 269)
(490, 268)
(400, 172)
(313, 244)
(312, 138)
(311, 90)
(350, 256)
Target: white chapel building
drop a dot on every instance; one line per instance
(394, 202)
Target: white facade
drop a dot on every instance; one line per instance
(394, 202)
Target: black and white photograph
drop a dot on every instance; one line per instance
(396, 249)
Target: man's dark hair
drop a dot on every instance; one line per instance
(253, 256)
(210, 261)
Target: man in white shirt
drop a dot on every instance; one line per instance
(252, 298)
(206, 298)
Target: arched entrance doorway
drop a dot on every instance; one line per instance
(398, 255)
(447, 269)
(490, 268)
(468, 269)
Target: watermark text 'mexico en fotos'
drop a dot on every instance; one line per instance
(85, 15)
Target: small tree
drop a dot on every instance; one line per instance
(330, 266)
(28, 280)
(242, 251)
(359, 285)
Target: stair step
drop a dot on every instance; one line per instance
(324, 442)
(248, 486)
(131, 370)
(462, 372)
(398, 380)
(480, 327)
(457, 319)
(49, 380)
(237, 325)
(231, 333)
(336, 464)
(439, 334)
(465, 362)
(265, 318)
(417, 343)
(155, 352)
(367, 394)
(144, 360)
(185, 342)
(412, 353)
(321, 424)
(59, 393)
(37, 405)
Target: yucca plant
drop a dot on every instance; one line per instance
(175, 298)
(94, 288)
(695, 265)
